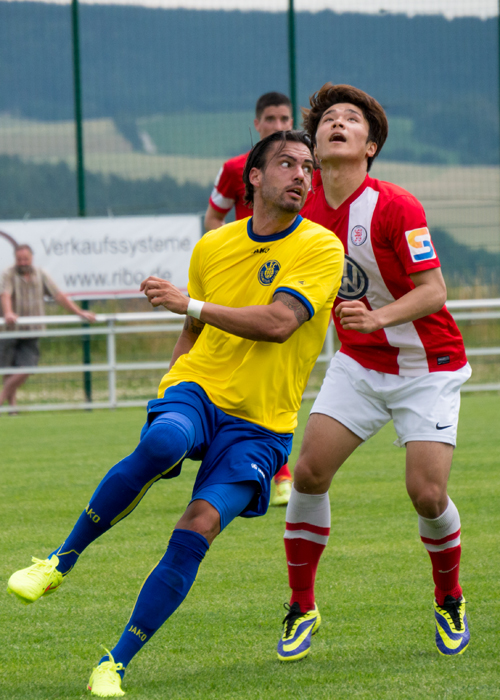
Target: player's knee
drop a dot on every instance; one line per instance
(208, 529)
(429, 500)
(163, 443)
(308, 477)
(204, 521)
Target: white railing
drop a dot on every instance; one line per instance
(164, 321)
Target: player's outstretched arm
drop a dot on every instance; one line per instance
(273, 323)
(70, 305)
(428, 297)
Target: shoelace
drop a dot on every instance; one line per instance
(452, 607)
(44, 567)
(294, 612)
(110, 667)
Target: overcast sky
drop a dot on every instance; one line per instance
(450, 8)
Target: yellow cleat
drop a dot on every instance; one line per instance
(299, 627)
(105, 681)
(42, 578)
(452, 630)
(282, 493)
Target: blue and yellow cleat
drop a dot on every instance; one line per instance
(452, 631)
(42, 578)
(299, 628)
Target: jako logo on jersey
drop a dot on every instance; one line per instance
(354, 281)
(419, 243)
(268, 271)
(261, 250)
(358, 235)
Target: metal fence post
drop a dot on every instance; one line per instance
(77, 95)
(111, 347)
(80, 170)
(87, 359)
(292, 63)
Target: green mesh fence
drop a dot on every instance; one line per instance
(168, 93)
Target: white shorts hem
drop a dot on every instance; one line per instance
(401, 442)
(343, 421)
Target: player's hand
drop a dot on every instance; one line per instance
(355, 316)
(10, 318)
(162, 293)
(88, 316)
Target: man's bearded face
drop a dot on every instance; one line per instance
(24, 261)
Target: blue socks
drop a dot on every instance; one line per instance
(163, 445)
(162, 592)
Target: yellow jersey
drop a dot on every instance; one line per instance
(261, 382)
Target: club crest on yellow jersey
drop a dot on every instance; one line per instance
(268, 272)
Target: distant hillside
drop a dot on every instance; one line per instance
(45, 191)
(139, 62)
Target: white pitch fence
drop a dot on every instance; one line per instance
(113, 325)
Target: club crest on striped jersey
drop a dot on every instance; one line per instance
(358, 235)
(354, 281)
(268, 272)
(419, 244)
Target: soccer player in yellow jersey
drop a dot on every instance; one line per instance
(261, 293)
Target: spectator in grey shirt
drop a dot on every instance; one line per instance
(22, 290)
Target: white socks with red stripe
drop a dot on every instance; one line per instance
(441, 538)
(306, 536)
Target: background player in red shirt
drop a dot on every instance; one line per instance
(273, 112)
(401, 358)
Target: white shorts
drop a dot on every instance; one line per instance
(423, 408)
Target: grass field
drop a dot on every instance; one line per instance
(374, 585)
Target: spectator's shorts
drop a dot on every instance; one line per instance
(19, 352)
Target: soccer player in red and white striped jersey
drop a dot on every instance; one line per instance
(401, 357)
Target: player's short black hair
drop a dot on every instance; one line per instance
(257, 158)
(271, 99)
(330, 94)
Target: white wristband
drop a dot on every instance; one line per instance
(194, 308)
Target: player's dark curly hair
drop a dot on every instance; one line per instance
(257, 158)
(331, 94)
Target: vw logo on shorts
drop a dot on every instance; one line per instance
(354, 281)
(268, 271)
(358, 235)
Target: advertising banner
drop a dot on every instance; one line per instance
(98, 258)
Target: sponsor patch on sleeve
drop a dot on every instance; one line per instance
(419, 243)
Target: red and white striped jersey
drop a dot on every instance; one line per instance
(384, 232)
(229, 190)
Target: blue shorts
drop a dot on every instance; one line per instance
(231, 450)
